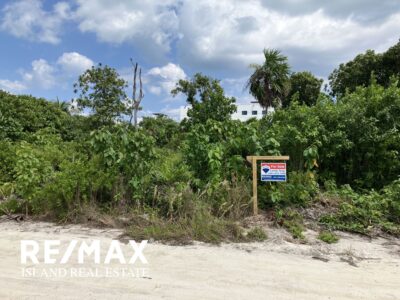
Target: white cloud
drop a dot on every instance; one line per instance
(42, 74)
(147, 23)
(73, 63)
(156, 90)
(12, 86)
(63, 10)
(218, 37)
(47, 75)
(365, 11)
(27, 19)
(169, 71)
(223, 36)
(231, 34)
(164, 78)
(227, 35)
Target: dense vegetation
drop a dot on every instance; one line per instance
(190, 180)
(359, 71)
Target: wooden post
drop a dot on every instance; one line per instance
(253, 160)
(255, 181)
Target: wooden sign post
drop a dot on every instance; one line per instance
(253, 160)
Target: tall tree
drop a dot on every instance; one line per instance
(207, 99)
(390, 64)
(356, 72)
(304, 87)
(102, 91)
(269, 83)
(360, 70)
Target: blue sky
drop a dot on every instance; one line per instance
(46, 44)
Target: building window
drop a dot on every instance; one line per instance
(244, 112)
(264, 112)
(254, 113)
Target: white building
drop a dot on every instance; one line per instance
(243, 112)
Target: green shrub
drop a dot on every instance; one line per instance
(298, 191)
(328, 237)
(216, 150)
(163, 129)
(292, 221)
(171, 185)
(126, 156)
(392, 194)
(10, 206)
(7, 161)
(23, 115)
(364, 212)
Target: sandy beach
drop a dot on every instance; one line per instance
(355, 268)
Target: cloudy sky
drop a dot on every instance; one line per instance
(46, 44)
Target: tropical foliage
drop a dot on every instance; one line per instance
(101, 91)
(304, 88)
(269, 83)
(191, 180)
(206, 98)
(364, 67)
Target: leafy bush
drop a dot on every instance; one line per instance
(292, 221)
(7, 161)
(126, 156)
(364, 212)
(360, 131)
(23, 115)
(217, 150)
(45, 172)
(298, 191)
(392, 194)
(296, 129)
(163, 129)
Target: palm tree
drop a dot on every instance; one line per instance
(269, 83)
(64, 106)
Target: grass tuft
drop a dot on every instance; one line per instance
(328, 237)
(257, 234)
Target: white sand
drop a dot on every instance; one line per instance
(275, 269)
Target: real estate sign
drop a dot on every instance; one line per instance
(273, 171)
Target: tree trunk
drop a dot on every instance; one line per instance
(267, 94)
(135, 117)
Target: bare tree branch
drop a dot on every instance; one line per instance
(135, 101)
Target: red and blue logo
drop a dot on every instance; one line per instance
(273, 171)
